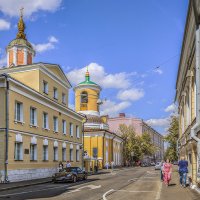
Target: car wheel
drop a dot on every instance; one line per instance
(74, 179)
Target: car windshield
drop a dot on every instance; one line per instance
(71, 169)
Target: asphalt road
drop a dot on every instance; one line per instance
(126, 184)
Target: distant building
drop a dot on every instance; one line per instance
(37, 129)
(101, 146)
(140, 127)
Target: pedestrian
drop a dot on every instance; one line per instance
(167, 169)
(107, 165)
(60, 166)
(161, 170)
(68, 164)
(112, 165)
(183, 170)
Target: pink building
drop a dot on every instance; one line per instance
(140, 127)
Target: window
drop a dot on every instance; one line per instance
(84, 97)
(18, 111)
(45, 87)
(63, 98)
(77, 132)
(45, 121)
(77, 155)
(33, 152)
(64, 131)
(55, 153)
(33, 116)
(71, 154)
(55, 93)
(18, 151)
(55, 124)
(63, 154)
(71, 129)
(95, 152)
(45, 153)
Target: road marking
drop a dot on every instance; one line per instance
(91, 187)
(104, 196)
(159, 192)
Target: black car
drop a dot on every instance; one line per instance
(72, 174)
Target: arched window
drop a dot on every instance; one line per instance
(84, 97)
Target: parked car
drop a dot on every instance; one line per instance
(144, 164)
(158, 166)
(72, 174)
(153, 163)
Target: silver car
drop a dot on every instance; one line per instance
(158, 166)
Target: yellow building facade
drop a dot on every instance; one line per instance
(101, 146)
(37, 129)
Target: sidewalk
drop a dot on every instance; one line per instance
(175, 192)
(14, 185)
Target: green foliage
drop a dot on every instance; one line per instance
(139, 145)
(171, 138)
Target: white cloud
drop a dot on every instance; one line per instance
(4, 25)
(158, 70)
(6, 6)
(46, 46)
(171, 108)
(162, 122)
(133, 94)
(118, 80)
(112, 108)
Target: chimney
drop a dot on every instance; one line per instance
(122, 115)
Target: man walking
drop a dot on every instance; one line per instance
(183, 170)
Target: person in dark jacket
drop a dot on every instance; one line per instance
(183, 170)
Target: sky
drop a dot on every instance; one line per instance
(131, 47)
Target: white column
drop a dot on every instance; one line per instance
(15, 56)
(25, 56)
(8, 55)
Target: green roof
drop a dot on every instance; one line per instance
(87, 80)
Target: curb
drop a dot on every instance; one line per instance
(25, 185)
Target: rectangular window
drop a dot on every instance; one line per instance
(55, 153)
(45, 121)
(64, 130)
(33, 116)
(77, 132)
(19, 112)
(95, 152)
(55, 93)
(63, 154)
(77, 155)
(18, 151)
(71, 129)
(45, 153)
(63, 98)
(45, 87)
(55, 124)
(33, 152)
(71, 154)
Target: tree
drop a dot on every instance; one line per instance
(139, 145)
(171, 138)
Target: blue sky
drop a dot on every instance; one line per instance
(132, 48)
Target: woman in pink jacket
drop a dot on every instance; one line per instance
(167, 170)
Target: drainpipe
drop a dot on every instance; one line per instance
(195, 129)
(7, 128)
(83, 138)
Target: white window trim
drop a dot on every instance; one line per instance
(35, 153)
(47, 153)
(45, 89)
(55, 129)
(35, 117)
(21, 112)
(55, 93)
(77, 131)
(71, 131)
(20, 156)
(64, 124)
(63, 98)
(47, 121)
